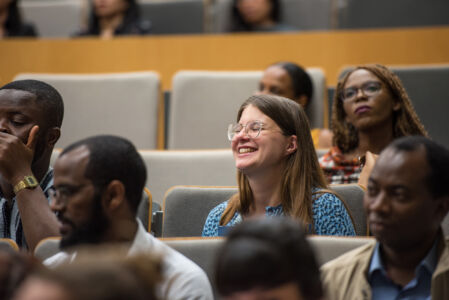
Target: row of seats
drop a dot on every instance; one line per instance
(202, 103)
(198, 16)
(201, 106)
(203, 251)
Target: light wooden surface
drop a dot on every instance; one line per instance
(167, 54)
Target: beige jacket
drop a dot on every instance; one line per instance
(345, 278)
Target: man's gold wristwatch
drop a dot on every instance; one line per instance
(28, 182)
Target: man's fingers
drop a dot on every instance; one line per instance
(32, 137)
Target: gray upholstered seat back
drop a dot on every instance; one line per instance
(169, 168)
(352, 195)
(204, 103)
(173, 16)
(186, 208)
(8, 244)
(387, 13)
(123, 104)
(52, 18)
(47, 247)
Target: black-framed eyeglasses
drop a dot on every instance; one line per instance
(369, 88)
(64, 192)
(252, 129)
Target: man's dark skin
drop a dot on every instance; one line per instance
(403, 214)
(26, 145)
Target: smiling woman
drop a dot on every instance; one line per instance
(370, 109)
(278, 171)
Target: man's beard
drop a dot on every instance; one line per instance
(92, 231)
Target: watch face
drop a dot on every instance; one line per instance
(30, 180)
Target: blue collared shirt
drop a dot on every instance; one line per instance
(418, 288)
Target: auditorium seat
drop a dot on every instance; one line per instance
(53, 18)
(355, 14)
(47, 247)
(353, 194)
(186, 207)
(8, 243)
(173, 16)
(203, 251)
(204, 167)
(124, 104)
(204, 103)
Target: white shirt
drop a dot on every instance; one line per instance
(183, 279)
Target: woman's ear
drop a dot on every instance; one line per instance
(292, 144)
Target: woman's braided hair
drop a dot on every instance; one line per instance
(405, 120)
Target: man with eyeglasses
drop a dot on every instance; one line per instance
(98, 186)
(405, 203)
(31, 114)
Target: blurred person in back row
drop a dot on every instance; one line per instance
(257, 15)
(109, 18)
(406, 200)
(11, 21)
(98, 186)
(289, 80)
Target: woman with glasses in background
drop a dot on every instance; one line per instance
(278, 171)
(370, 109)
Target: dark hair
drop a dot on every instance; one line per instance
(239, 24)
(114, 158)
(46, 96)
(266, 253)
(437, 158)
(104, 275)
(132, 16)
(405, 120)
(14, 24)
(301, 82)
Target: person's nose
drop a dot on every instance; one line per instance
(379, 203)
(4, 127)
(56, 206)
(360, 95)
(241, 135)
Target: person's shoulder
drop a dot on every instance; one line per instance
(184, 278)
(217, 211)
(322, 197)
(356, 258)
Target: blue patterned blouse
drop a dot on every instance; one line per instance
(330, 217)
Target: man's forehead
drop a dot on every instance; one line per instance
(16, 97)
(400, 165)
(75, 160)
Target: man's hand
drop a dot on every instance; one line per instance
(15, 156)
